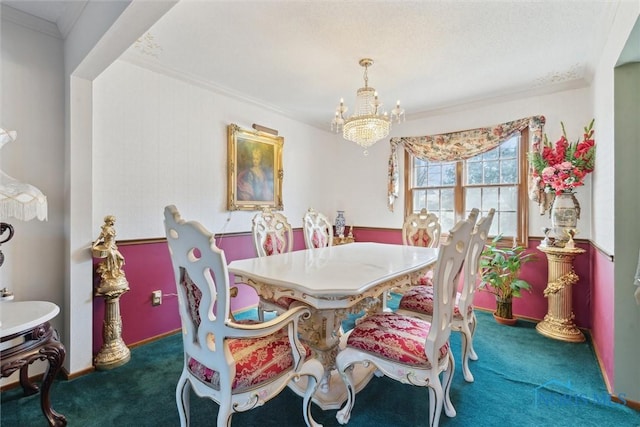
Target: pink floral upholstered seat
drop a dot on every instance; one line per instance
(394, 337)
(257, 360)
(239, 366)
(419, 301)
(406, 348)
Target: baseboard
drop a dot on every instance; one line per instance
(630, 403)
(153, 338)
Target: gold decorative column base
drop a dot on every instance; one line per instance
(558, 322)
(560, 329)
(114, 352)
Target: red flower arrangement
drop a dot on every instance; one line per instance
(563, 167)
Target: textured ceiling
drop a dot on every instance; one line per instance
(301, 57)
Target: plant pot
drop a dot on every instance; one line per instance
(504, 308)
(505, 321)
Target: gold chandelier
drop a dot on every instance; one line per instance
(369, 124)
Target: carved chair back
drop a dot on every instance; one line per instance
(318, 230)
(272, 233)
(421, 229)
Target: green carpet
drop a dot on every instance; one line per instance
(521, 379)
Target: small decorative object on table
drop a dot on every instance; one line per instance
(6, 294)
(558, 169)
(340, 224)
(570, 243)
(547, 240)
(341, 240)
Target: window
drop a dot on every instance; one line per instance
(494, 179)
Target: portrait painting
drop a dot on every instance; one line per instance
(254, 169)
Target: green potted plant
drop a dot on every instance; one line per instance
(500, 275)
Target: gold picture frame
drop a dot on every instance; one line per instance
(254, 170)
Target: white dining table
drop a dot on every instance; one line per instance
(334, 282)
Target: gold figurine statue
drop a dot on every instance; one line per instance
(113, 284)
(110, 270)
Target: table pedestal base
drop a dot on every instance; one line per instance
(334, 396)
(39, 343)
(323, 332)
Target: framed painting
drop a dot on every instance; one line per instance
(254, 169)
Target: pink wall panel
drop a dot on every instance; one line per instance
(148, 268)
(602, 311)
(534, 304)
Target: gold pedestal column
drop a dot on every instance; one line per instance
(558, 322)
(113, 284)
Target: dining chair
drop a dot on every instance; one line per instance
(317, 229)
(422, 229)
(272, 234)
(238, 366)
(419, 299)
(409, 349)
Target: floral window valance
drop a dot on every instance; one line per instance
(457, 145)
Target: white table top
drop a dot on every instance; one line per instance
(336, 271)
(18, 316)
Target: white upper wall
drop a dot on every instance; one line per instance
(33, 105)
(159, 140)
(603, 105)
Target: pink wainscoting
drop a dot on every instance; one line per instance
(602, 286)
(380, 235)
(148, 267)
(534, 304)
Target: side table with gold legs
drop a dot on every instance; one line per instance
(558, 322)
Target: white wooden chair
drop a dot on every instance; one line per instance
(419, 300)
(409, 349)
(239, 366)
(421, 229)
(317, 229)
(272, 234)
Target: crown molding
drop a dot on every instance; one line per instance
(70, 17)
(29, 21)
(505, 96)
(192, 79)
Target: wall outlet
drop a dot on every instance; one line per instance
(156, 297)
